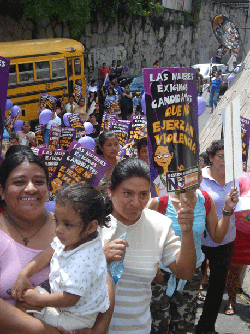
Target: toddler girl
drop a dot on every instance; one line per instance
(78, 269)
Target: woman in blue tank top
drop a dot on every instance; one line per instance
(174, 301)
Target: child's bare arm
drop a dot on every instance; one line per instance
(58, 299)
(38, 263)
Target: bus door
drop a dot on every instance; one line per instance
(75, 72)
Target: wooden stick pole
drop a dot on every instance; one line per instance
(232, 136)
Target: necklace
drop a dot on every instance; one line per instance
(25, 239)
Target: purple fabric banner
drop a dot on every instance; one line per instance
(172, 124)
(4, 77)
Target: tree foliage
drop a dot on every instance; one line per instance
(77, 13)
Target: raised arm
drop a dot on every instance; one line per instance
(185, 264)
(217, 229)
(34, 266)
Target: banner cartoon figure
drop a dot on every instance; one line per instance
(172, 124)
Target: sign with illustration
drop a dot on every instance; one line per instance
(51, 158)
(54, 136)
(68, 135)
(39, 134)
(77, 93)
(76, 123)
(79, 164)
(137, 122)
(172, 124)
(121, 130)
(107, 121)
(245, 136)
(47, 101)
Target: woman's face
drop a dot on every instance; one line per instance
(162, 156)
(110, 91)
(25, 192)
(110, 147)
(218, 162)
(82, 103)
(129, 199)
(26, 127)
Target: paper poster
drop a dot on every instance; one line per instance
(4, 77)
(245, 136)
(107, 121)
(77, 93)
(47, 101)
(39, 132)
(232, 140)
(134, 133)
(68, 135)
(113, 107)
(79, 165)
(172, 124)
(121, 130)
(54, 136)
(10, 120)
(76, 123)
(51, 158)
(226, 32)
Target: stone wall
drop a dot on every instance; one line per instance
(137, 41)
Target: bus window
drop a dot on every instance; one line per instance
(42, 70)
(12, 75)
(77, 67)
(78, 82)
(58, 68)
(70, 69)
(26, 72)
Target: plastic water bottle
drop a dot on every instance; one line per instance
(117, 267)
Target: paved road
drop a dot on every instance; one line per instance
(240, 322)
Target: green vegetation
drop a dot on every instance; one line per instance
(77, 13)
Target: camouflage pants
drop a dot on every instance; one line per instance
(176, 314)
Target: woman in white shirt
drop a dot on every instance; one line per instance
(149, 239)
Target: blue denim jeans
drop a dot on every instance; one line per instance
(214, 95)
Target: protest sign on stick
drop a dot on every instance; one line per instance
(172, 124)
(76, 123)
(4, 77)
(232, 140)
(120, 128)
(79, 165)
(77, 93)
(39, 134)
(107, 121)
(54, 136)
(47, 101)
(51, 158)
(68, 135)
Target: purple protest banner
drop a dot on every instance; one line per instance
(47, 101)
(68, 135)
(51, 158)
(76, 123)
(107, 120)
(172, 124)
(79, 164)
(54, 136)
(245, 136)
(4, 77)
(39, 132)
(10, 120)
(121, 130)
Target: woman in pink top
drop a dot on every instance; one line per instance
(241, 253)
(26, 228)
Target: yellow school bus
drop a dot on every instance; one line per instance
(42, 66)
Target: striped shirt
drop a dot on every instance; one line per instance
(150, 240)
